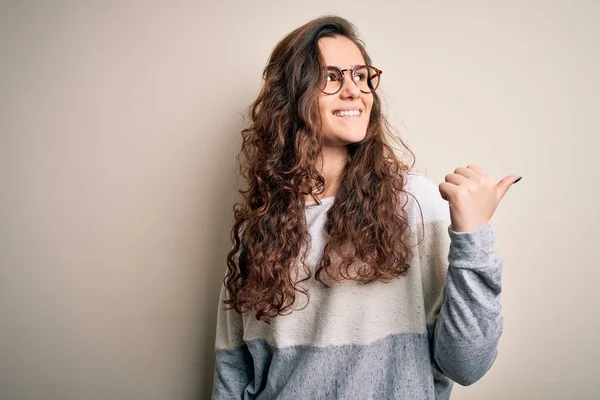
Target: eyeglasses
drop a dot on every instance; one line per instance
(366, 77)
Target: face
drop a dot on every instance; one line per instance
(341, 125)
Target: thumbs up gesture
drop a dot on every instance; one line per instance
(473, 196)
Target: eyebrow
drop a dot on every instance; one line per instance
(351, 67)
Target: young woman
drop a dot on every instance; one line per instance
(350, 277)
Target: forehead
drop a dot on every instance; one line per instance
(340, 51)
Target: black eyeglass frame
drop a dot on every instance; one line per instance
(378, 73)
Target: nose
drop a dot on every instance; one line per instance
(349, 88)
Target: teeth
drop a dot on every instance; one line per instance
(353, 113)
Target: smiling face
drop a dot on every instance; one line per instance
(344, 115)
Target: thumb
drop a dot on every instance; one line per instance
(506, 183)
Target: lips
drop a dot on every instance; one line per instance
(347, 113)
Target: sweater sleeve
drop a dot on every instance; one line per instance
(234, 369)
(469, 325)
(462, 277)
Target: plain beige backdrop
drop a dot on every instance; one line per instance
(120, 123)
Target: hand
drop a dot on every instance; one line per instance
(473, 196)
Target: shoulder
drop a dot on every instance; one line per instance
(424, 196)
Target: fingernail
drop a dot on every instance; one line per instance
(518, 180)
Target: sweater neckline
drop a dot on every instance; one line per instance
(324, 201)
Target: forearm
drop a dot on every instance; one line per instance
(233, 372)
(469, 325)
(233, 363)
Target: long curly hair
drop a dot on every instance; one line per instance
(278, 159)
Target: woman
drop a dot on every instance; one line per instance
(350, 277)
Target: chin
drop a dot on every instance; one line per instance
(344, 136)
(353, 137)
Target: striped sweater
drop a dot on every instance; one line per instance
(409, 339)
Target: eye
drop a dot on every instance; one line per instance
(359, 77)
(331, 77)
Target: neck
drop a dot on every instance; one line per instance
(331, 164)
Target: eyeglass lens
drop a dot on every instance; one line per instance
(365, 77)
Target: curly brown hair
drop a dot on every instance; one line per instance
(278, 159)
